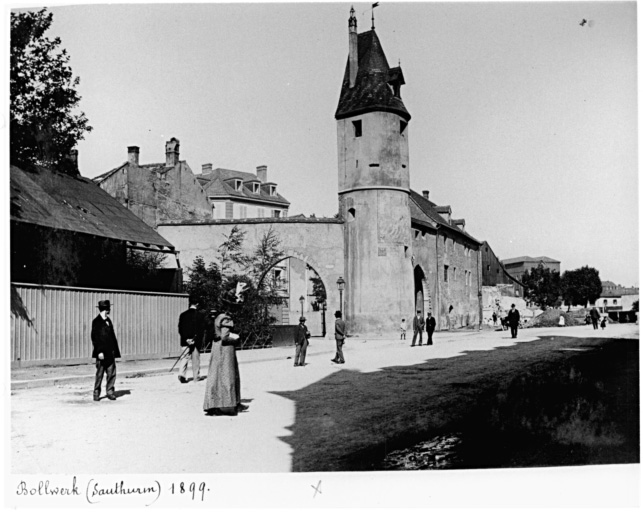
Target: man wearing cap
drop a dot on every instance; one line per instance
(191, 327)
(301, 342)
(105, 350)
(513, 318)
(340, 335)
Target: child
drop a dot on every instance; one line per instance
(603, 322)
(403, 329)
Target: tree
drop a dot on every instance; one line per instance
(581, 286)
(319, 290)
(44, 124)
(635, 306)
(204, 284)
(542, 286)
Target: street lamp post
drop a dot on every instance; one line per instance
(340, 287)
(301, 301)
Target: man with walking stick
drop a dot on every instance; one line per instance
(191, 327)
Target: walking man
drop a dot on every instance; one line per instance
(418, 327)
(105, 350)
(301, 342)
(340, 335)
(191, 328)
(430, 327)
(513, 318)
(594, 315)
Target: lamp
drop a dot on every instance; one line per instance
(301, 301)
(340, 287)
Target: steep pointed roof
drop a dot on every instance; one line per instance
(376, 83)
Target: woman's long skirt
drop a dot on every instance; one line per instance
(223, 387)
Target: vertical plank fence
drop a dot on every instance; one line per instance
(60, 320)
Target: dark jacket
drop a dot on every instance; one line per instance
(301, 335)
(430, 324)
(191, 327)
(104, 339)
(513, 318)
(594, 314)
(418, 323)
(340, 329)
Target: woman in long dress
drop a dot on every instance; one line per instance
(223, 387)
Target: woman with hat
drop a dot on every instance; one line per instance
(105, 350)
(223, 387)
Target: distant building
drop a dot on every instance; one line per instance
(516, 267)
(171, 191)
(494, 272)
(242, 195)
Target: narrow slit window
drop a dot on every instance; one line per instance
(357, 128)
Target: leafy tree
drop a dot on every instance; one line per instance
(580, 286)
(44, 126)
(216, 289)
(319, 290)
(635, 306)
(542, 286)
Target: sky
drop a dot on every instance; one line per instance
(523, 121)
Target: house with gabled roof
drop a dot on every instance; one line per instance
(518, 266)
(241, 195)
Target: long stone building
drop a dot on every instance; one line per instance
(396, 250)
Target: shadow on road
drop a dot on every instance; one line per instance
(529, 404)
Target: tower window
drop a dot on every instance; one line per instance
(446, 273)
(357, 127)
(403, 125)
(351, 214)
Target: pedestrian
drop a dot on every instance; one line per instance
(223, 387)
(595, 315)
(418, 327)
(430, 327)
(604, 322)
(495, 318)
(340, 335)
(403, 329)
(301, 342)
(191, 328)
(587, 319)
(561, 321)
(513, 318)
(105, 350)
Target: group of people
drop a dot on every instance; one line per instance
(594, 317)
(223, 386)
(419, 324)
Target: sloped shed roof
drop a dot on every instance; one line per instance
(46, 198)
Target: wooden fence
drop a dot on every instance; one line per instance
(52, 324)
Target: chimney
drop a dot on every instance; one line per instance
(73, 158)
(352, 48)
(206, 169)
(132, 154)
(425, 194)
(172, 152)
(262, 173)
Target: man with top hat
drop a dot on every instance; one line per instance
(301, 342)
(340, 336)
(191, 328)
(105, 350)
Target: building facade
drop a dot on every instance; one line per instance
(516, 267)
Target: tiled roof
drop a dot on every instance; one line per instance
(529, 259)
(217, 187)
(371, 91)
(428, 210)
(59, 201)
(150, 167)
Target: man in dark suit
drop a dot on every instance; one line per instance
(105, 350)
(430, 327)
(513, 319)
(340, 336)
(301, 342)
(191, 328)
(418, 327)
(594, 315)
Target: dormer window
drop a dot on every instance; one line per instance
(255, 188)
(273, 190)
(237, 185)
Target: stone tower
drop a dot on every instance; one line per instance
(373, 158)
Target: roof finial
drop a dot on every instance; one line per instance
(373, 15)
(352, 21)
